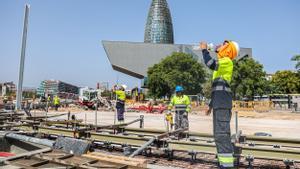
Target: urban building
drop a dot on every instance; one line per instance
(102, 86)
(59, 88)
(7, 88)
(159, 27)
(134, 58)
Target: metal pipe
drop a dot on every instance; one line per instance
(22, 60)
(236, 127)
(96, 123)
(148, 143)
(141, 121)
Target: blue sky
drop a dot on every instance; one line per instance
(64, 36)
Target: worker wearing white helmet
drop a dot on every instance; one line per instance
(221, 98)
(120, 105)
(124, 87)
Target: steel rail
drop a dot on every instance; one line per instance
(257, 152)
(250, 140)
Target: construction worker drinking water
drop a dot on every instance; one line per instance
(182, 106)
(221, 98)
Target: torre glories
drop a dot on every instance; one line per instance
(159, 27)
(134, 58)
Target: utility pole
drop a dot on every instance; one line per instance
(22, 60)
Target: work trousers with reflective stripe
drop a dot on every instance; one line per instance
(181, 119)
(226, 160)
(221, 121)
(120, 110)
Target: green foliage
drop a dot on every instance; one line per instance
(107, 93)
(296, 58)
(248, 79)
(286, 82)
(176, 69)
(207, 87)
(29, 94)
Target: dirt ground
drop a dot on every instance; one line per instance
(278, 123)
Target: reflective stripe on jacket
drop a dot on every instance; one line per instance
(221, 96)
(226, 160)
(182, 103)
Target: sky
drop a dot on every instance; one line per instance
(64, 36)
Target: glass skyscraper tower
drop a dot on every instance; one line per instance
(159, 27)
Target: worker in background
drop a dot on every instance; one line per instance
(48, 103)
(56, 102)
(221, 98)
(5, 100)
(137, 94)
(120, 106)
(182, 106)
(169, 121)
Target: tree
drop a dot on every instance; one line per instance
(249, 79)
(207, 88)
(296, 58)
(286, 82)
(176, 69)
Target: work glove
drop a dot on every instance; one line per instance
(185, 114)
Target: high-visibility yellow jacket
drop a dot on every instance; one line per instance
(182, 102)
(221, 93)
(224, 71)
(56, 100)
(120, 95)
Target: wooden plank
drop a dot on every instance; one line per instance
(117, 159)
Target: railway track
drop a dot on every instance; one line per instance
(198, 148)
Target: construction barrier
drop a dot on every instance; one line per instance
(253, 105)
(259, 106)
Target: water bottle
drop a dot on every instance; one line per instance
(196, 47)
(210, 47)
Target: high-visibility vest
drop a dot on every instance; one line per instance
(180, 102)
(225, 68)
(56, 100)
(120, 95)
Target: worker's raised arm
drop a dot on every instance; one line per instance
(208, 60)
(114, 88)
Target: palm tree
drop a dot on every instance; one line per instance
(296, 58)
